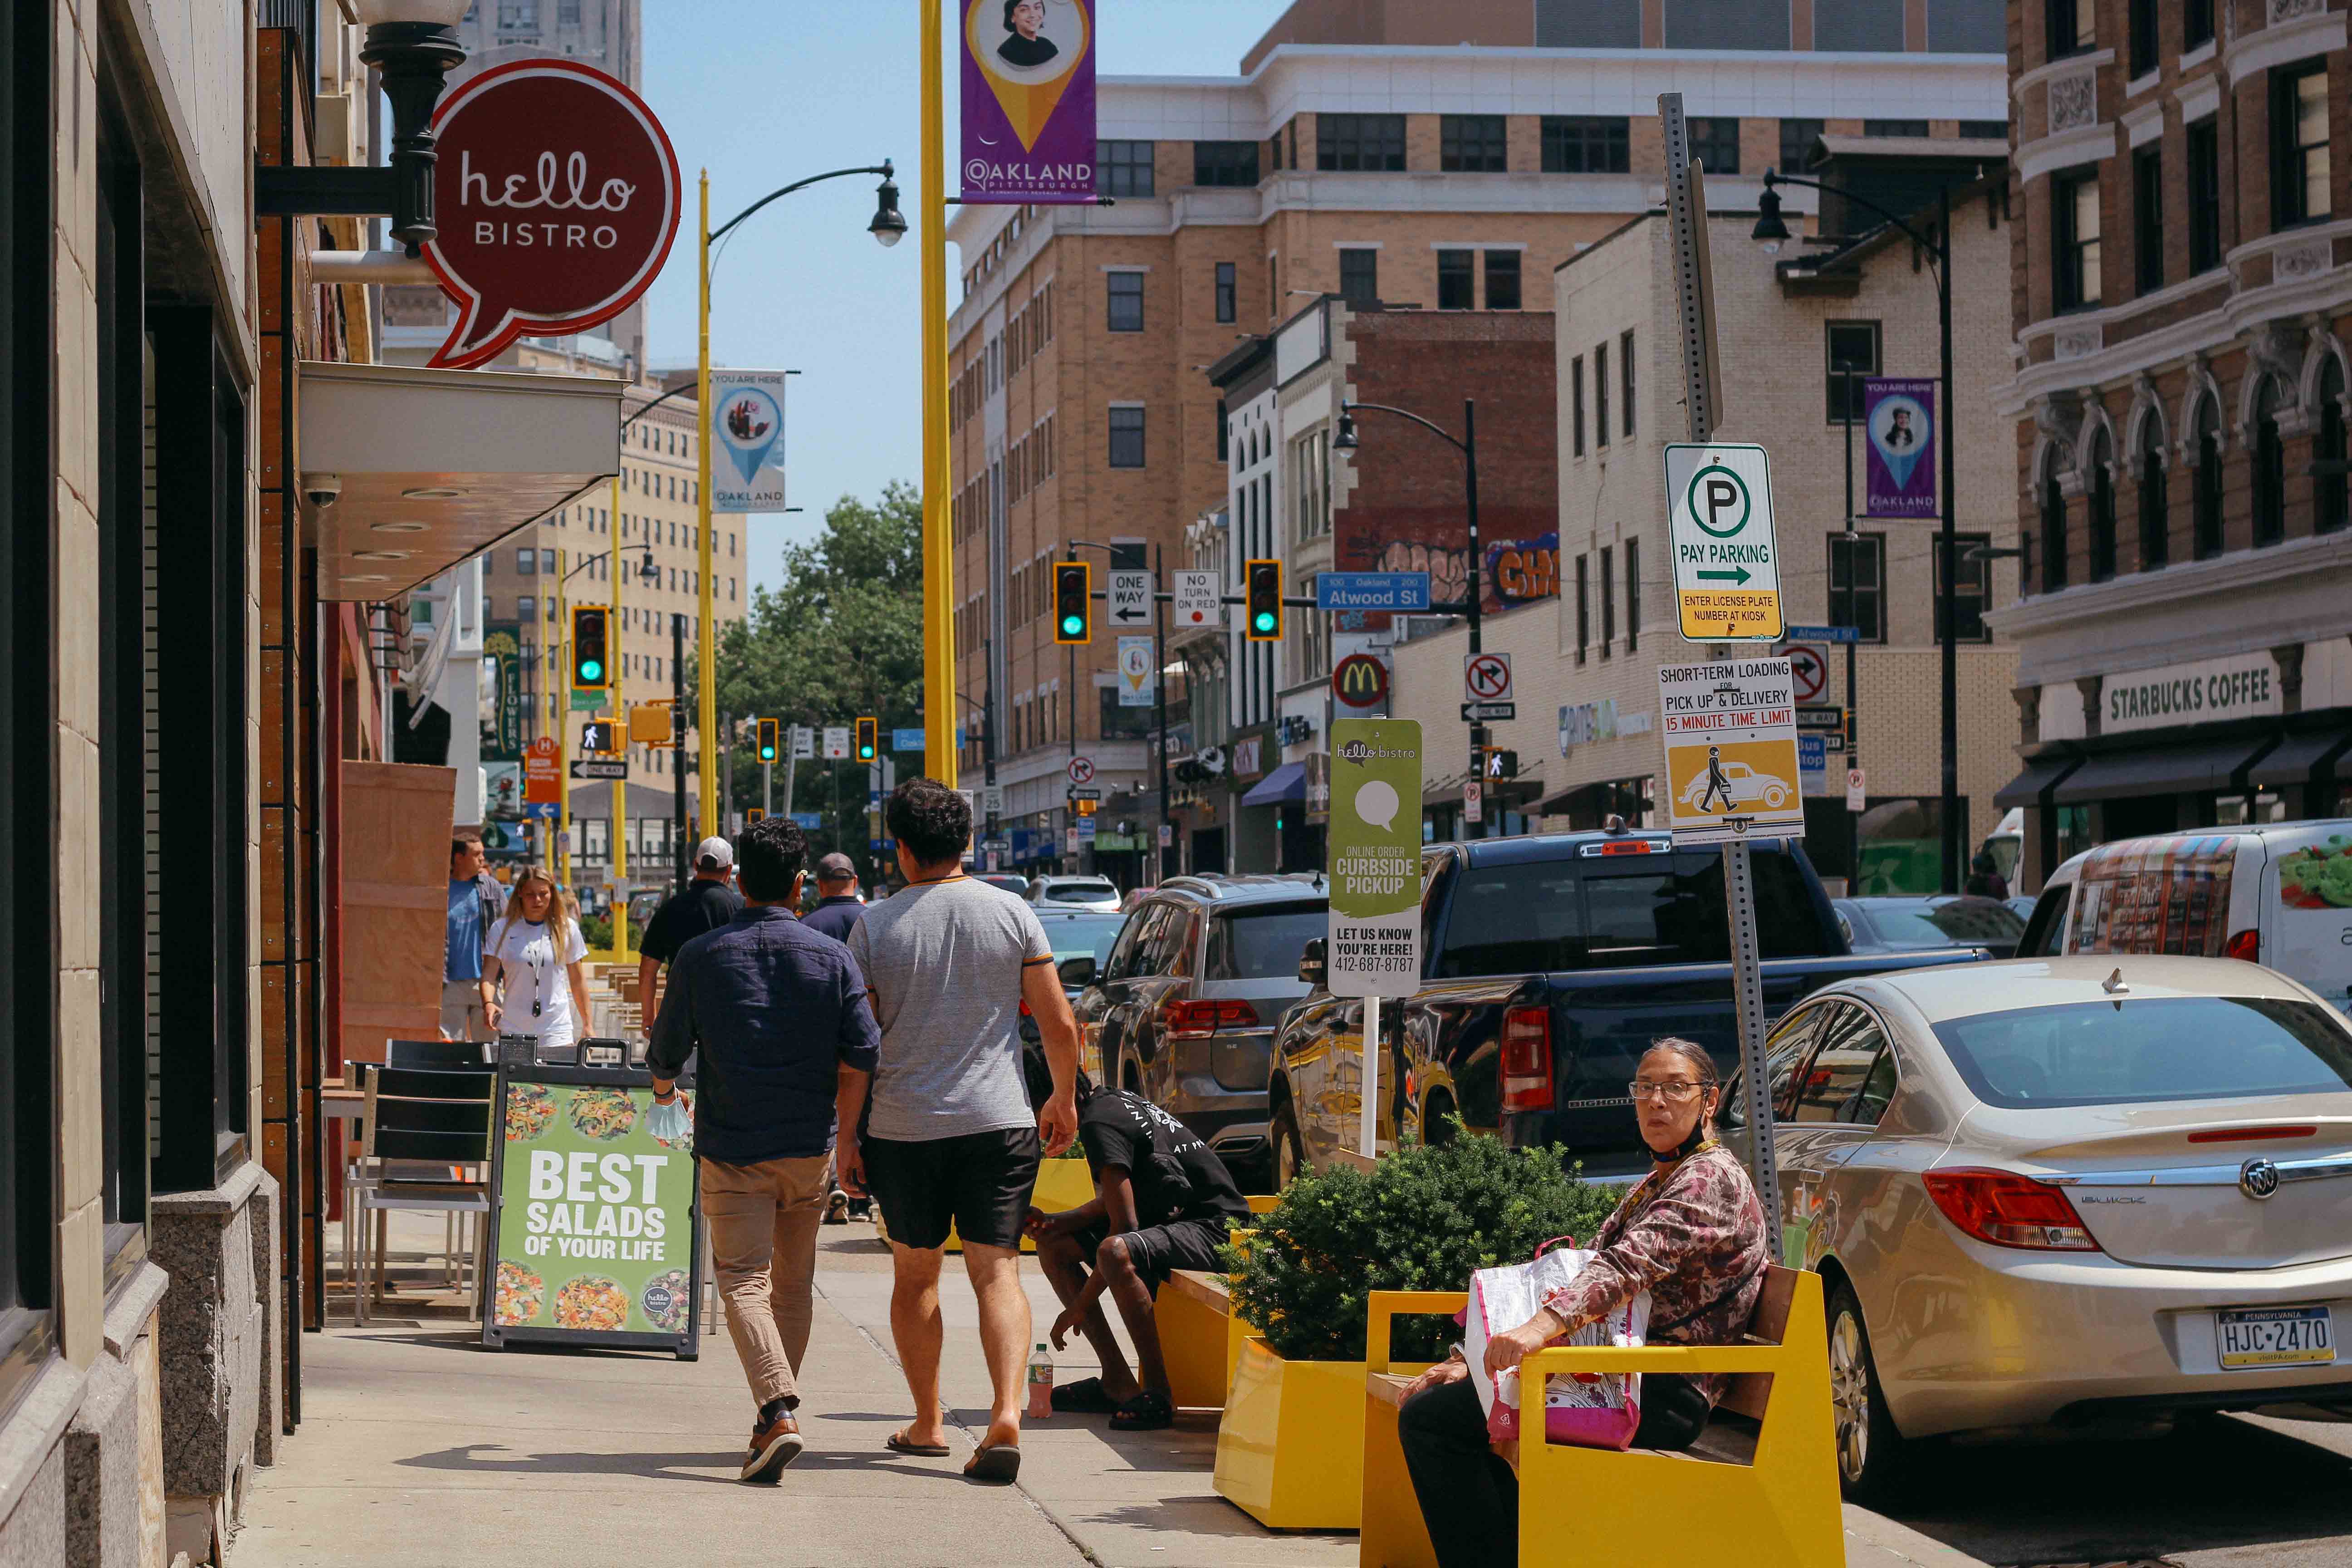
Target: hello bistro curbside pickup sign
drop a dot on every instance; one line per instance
(560, 197)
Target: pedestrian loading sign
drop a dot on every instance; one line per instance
(1720, 521)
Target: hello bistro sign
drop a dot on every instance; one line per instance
(559, 197)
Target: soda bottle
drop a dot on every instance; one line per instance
(1041, 1383)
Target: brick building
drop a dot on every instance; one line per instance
(1362, 163)
(2180, 402)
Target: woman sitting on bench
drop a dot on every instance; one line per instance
(1691, 1234)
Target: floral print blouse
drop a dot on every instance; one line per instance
(1694, 1239)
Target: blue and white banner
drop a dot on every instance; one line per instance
(747, 433)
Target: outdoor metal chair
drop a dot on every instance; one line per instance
(423, 1128)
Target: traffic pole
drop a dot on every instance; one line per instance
(938, 543)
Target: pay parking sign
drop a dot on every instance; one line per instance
(1727, 564)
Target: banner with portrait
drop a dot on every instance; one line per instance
(1899, 464)
(1028, 101)
(747, 463)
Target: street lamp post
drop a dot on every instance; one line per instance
(887, 226)
(1772, 233)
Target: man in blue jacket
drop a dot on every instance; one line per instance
(787, 1044)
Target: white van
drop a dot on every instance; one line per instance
(2278, 894)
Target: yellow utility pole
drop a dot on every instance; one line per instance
(706, 716)
(559, 703)
(939, 547)
(619, 828)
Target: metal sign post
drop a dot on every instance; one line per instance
(1702, 383)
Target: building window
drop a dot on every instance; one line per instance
(2155, 519)
(2203, 147)
(1850, 352)
(514, 14)
(1456, 281)
(1224, 162)
(1608, 600)
(2102, 491)
(1228, 292)
(567, 13)
(2147, 218)
(1364, 143)
(1587, 144)
(1797, 137)
(2053, 531)
(1632, 594)
(1601, 395)
(1714, 142)
(1625, 389)
(1472, 144)
(2196, 24)
(2329, 491)
(1894, 128)
(1502, 280)
(1576, 405)
(527, 609)
(1127, 437)
(1310, 466)
(1971, 590)
(526, 561)
(1583, 606)
(2299, 183)
(1274, 287)
(1274, 151)
(2270, 468)
(2075, 240)
(2141, 25)
(1125, 297)
(1858, 584)
(1359, 275)
(2071, 30)
(1984, 130)
(1123, 168)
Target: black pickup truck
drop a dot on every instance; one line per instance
(1549, 962)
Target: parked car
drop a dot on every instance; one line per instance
(2279, 894)
(1075, 893)
(1184, 1009)
(1939, 919)
(1013, 882)
(1081, 940)
(2064, 1195)
(1133, 896)
(1550, 961)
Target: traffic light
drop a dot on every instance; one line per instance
(1262, 601)
(591, 660)
(754, 814)
(866, 748)
(1074, 612)
(767, 740)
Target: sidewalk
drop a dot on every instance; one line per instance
(421, 1449)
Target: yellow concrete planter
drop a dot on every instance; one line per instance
(1061, 1184)
(1290, 1447)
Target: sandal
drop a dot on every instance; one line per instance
(1146, 1412)
(896, 1443)
(1084, 1397)
(999, 1464)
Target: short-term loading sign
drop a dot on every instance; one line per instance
(1727, 560)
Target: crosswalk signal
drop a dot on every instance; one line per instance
(866, 748)
(1262, 601)
(591, 662)
(1074, 612)
(598, 738)
(767, 740)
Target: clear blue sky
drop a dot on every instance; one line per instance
(764, 92)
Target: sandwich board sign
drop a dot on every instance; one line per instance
(1720, 524)
(1374, 846)
(1730, 733)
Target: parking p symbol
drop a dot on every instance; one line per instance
(1718, 501)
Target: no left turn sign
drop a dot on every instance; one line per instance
(1487, 677)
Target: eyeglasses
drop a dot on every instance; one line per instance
(1674, 1089)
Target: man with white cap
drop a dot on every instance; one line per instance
(704, 904)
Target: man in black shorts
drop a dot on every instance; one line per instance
(1163, 1201)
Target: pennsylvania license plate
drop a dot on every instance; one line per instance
(2275, 1336)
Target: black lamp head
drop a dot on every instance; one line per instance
(889, 225)
(1344, 441)
(414, 46)
(1769, 232)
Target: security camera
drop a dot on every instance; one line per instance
(323, 488)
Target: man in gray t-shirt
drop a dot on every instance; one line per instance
(950, 1138)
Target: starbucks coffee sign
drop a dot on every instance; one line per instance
(2203, 691)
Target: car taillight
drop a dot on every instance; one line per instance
(2009, 1210)
(1526, 1058)
(2246, 944)
(1199, 1020)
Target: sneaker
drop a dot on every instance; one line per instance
(773, 1447)
(836, 1209)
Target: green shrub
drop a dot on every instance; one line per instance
(1424, 1219)
(596, 931)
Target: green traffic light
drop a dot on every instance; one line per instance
(1264, 621)
(1072, 625)
(592, 670)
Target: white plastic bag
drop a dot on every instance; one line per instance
(670, 1123)
(1602, 1413)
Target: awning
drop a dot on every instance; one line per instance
(1285, 784)
(2297, 755)
(2028, 787)
(433, 465)
(2161, 770)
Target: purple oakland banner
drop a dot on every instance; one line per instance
(1028, 101)
(1899, 468)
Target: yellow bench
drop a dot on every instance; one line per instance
(1781, 1505)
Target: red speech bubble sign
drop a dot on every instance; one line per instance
(558, 197)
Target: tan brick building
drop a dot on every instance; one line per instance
(2179, 405)
(1454, 178)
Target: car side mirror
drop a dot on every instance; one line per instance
(1076, 971)
(1312, 963)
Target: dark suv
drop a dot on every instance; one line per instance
(1183, 1009)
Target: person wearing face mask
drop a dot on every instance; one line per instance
(1691, 1234)
(540, 953)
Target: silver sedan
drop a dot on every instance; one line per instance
(2078, 1194)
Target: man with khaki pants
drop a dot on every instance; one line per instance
(786, 1043)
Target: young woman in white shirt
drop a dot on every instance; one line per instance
(540, 953)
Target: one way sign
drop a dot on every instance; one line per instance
(1130, 598)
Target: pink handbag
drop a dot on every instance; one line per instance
(1595, 1412)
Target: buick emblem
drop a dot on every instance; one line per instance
(2258, 1179)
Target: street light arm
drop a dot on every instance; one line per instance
(656, 403)
(1406, 413)
(1773, 177)
(883, 168)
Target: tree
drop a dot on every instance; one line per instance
(841, 638)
